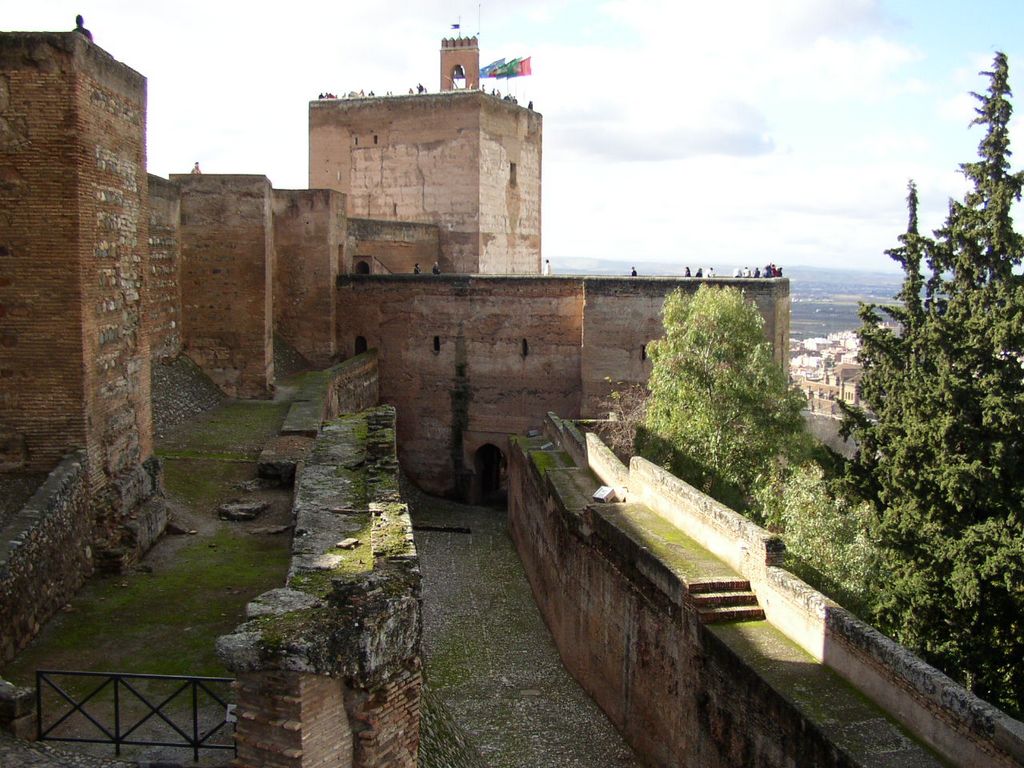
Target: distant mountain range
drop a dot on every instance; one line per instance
(824, 300)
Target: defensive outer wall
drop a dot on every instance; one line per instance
(469, 359)
(631, 591)
(109, 271)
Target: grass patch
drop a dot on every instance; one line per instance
(203, 485)
(164, 622)
(237, 430)
(389, 534)
(548, 460)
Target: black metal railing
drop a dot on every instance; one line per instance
(138, 710)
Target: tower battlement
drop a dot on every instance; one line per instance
(459, 42)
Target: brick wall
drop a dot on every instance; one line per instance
(452, 361)
(679, 695)
(960, 727)
(623, 315)
(291, 720)
(73, 256)
(309, 231)
(464, 53)
(386, 721)
(44, 554)
(163, 287)
(392, 247)
(227, 268)
(355, 386)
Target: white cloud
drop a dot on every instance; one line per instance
(725, 132)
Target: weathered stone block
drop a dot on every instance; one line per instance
(242, 510)
(15, 702)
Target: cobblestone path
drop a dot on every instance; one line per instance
(489, 656)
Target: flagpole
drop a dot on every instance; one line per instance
(478, 19)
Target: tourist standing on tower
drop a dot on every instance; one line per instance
(80, 28)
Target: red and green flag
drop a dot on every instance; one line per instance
(490, 69)
(515, 68)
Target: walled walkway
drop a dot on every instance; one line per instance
(488, 655)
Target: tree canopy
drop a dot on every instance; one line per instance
(943, 457)
(720, 408)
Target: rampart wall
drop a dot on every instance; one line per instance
(163, 285)
(227, 280)
(309, 233)
(467, 360)
(329, 670)
(595, 566)
(44, 554)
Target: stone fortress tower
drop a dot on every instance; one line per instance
(461, 160)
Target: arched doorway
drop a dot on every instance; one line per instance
(490, 480)
(360, 344)
(362, 267)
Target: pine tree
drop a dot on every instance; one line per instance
(943, 461)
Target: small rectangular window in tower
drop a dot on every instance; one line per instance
(375, 138)
(511, 174)
(356, 139)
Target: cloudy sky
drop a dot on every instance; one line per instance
(675, 132)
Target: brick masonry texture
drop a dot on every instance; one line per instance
(163, 286)
(227, 268)
(678, 694)
(392, 246)
(75, 365)
(629, 566)
(309, 231)
(103, 269)
(329, 666)
(467, 360)
(73, 254)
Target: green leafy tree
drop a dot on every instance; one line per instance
(943, 461)
(720, 409)
(826, 533)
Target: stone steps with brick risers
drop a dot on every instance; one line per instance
(722, 599)
(730, 613)
(718, 600)
(718, 584)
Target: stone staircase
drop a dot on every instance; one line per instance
(724, 599)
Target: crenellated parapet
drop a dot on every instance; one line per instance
(459, 42)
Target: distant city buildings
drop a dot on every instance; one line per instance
(827, 371)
